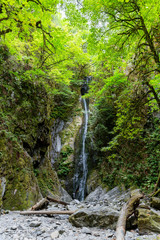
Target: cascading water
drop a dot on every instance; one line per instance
(81, 169)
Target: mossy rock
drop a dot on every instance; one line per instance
(47, 179)
(22, 190)
(155, 202)
(148, 221)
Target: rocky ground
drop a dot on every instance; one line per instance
(19, 227)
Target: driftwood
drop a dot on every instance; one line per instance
(46, 212)
(127, 210)
(40, 205)
(57, 201)
(43, 203)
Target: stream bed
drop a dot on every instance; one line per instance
(62, 227)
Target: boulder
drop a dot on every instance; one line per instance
(116, 194)
(155, 202)
(102, 217)
(65, 195)
(95, 195)
(148, 221)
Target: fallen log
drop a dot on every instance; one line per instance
(127, 210)
(39, 205)
(46, 212)
(57, 201)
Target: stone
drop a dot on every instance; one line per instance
(102, 217)
(148, 221)
(35, 224)
(155, 202)
(54, 234)
(13, 227)
(86, 230)
(61, 231)
(58, 223)
(75, 201)
(96, 234)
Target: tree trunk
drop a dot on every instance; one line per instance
(40, 205)
(127, 210)
(57, 201)
(46, 212)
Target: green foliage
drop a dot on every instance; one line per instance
(64, 102)
(152, 140)
(134, 162)
(64, 166)
(101, 123)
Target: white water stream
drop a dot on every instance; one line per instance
(80, 176)
(83, 154)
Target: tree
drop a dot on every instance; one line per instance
(124, 39)
(126, 32)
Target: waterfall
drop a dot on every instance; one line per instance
(81, 168)
(84, 155)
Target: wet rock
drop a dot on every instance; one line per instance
(155, 202)
(96, 217)
(148, 221)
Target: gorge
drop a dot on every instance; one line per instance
(67, 135)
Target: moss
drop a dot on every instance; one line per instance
(28, 105)
(68, 136)
(148, 221)
(16, 166)
(47, 179)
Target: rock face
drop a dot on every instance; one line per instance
(21, 188)
(62, 147)
(102, 217)
(148, 221)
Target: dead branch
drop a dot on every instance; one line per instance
(57, 201)
(40, 205)
(47, 212)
